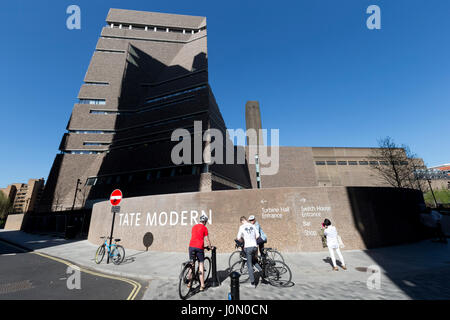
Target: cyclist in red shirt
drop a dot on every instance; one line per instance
(197, 248)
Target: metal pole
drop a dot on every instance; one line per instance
(111, 236)
(215, 280)
(234, 286)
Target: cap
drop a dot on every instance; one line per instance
(251, 218)
(203, 218)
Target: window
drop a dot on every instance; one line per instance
(104, 112)
(92, 101)
(91, 131)
(342, 163)
(91, 181)
(331, 163)
(363, 163)
(92, 83)
(174, 94)
(352, 163)
(404, 163)
(320, 163)
(384, 163)
(373, 163)
(96, 143)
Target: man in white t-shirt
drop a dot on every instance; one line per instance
(249, 233)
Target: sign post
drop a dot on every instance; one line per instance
(115, 199)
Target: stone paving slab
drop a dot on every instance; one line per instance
(413, 271)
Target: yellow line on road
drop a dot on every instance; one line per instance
(136, 285)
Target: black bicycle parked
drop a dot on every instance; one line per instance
(189, 279)
(276, 272)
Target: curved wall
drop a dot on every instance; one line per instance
(364, 216)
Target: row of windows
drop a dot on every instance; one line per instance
(83, 152)
(361, 163)
(109, 51)
(92, 131)
(105, 112)
(145, 176)
(96, 143)
(155, 29)
(92, 83)
(160, 106)
(92, 101)
(175, 94)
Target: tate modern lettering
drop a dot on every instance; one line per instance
(169, 218)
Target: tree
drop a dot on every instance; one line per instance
(5, 205)
(396, 165)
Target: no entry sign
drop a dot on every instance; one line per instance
(116, 197)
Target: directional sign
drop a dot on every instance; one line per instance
(116, 197)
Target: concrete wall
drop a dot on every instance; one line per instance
(291, 217)
(14, 222)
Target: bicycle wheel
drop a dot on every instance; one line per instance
(183, 289)
(274, 255)
(117, 254)
(235, 257)
(100, 254)
(207, 266)
(241, 268)
(278, 274)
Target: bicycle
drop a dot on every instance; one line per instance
(276, 272)
(116, 252)
(190, 276)
(239, 254)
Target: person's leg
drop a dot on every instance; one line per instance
(341, 258)
(249, 255)
(333, 259)
(201, 268)
(201, 275)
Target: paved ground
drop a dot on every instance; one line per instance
(29, 276)
(415, 271)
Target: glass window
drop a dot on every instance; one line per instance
(331, 163)
(342, 163)
(320, 163)
(352, 163)
(373, 163)
(91, 181)
(363, 163)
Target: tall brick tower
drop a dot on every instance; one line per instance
(148, 76)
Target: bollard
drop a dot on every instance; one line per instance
(215, 281)
(234, 286)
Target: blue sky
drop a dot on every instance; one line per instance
(320, 75)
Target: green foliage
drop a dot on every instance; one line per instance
(5, 205)
(442, 196)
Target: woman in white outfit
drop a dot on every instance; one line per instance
(333, 244)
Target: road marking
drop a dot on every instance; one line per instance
(136, 285)
(9, 254)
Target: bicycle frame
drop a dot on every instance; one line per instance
(109, 247)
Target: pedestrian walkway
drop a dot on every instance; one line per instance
(413, 271)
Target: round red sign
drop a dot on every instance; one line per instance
(116, 197)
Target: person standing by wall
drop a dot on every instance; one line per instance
(262, 236)
(333, 244)
(249, 233)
